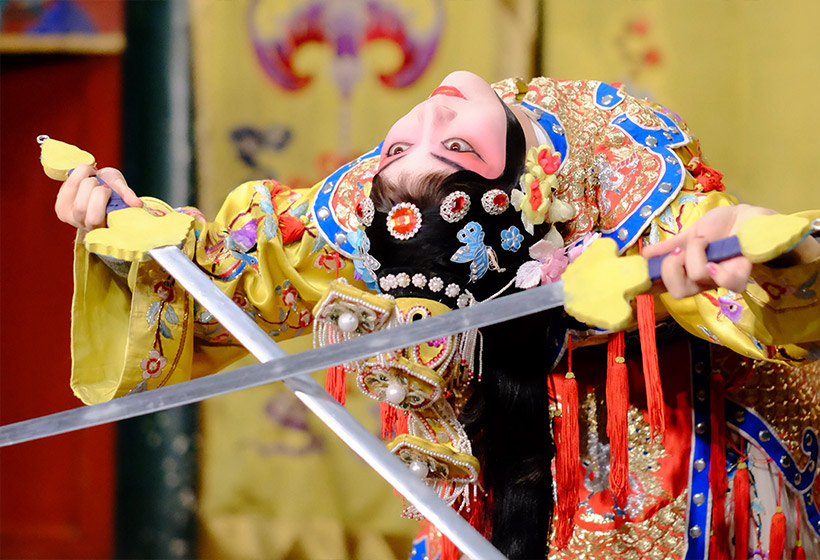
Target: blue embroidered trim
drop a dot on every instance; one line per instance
(666, 186)
(552, 127)
(324, 214)
(607, 96)
(698, 513)
(755, 429)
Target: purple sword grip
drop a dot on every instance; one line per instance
(716, 251)
(115, 202)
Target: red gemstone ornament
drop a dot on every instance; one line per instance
(495, 201)
(365, 210)
(404, 220)
(455, 206)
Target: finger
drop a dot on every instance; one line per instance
(115, 179)
(80, 205)
(696, 262)
(64, 203)
(95, 215)
(732, 274)
(666, 247)
(673, 275)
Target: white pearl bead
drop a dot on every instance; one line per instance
(395, 393)
(348, 322)
(419, 468)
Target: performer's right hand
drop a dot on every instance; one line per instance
(83, 197)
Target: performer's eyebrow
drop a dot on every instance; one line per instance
(389, 163)
(449, 162)
(438, 157)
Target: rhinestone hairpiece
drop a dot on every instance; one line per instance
(455, 206)
(365, 211)
(495, 201)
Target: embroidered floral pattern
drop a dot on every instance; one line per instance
(153, 364)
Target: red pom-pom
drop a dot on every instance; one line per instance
(291, 227)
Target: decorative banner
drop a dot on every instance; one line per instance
(291, 90)
(743, 75)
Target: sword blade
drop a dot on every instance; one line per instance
(294, 370)
(334, 415)
(196, 390)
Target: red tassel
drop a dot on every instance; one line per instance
(798, 553)
(740, 494)
(388, 415)
(449, 551)
(401, 422)
(718, 480)
(477, 513)
(567, 466)
(777, 535)
(335, 383)
(777, 528)
(651, 371)
(617, 402)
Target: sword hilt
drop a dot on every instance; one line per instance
(599, 284)
(59, 159)
(717, 251)
(760, 239)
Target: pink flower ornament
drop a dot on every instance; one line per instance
(550, 263)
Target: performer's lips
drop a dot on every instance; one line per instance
(449, 91)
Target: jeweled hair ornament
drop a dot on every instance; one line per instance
(404, 220)
(455, 206)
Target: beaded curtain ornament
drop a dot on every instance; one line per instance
(424, 384)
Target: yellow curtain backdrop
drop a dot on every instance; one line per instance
(744, 75)
(274, 482)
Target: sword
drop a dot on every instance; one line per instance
(293, 370)
(278, 366)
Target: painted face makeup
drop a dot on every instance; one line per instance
(460, 126)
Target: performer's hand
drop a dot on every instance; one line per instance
(686, 272)
(83, 197)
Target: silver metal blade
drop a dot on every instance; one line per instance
(294, 370)
(334, 415)
(195, 390)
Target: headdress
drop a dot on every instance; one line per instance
(466, 248)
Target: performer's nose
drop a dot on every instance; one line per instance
(436, 114)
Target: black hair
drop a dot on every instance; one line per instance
(507, 415)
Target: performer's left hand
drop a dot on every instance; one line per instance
(685, 271)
